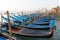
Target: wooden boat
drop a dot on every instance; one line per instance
(34, 33)
(4, 36)
(29, 32)
(26, 22)
(41, 27)
(42, 24)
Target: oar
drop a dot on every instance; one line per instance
(9, 25)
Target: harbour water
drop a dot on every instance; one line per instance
(56, 35)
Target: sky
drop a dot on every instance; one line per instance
(27, 5)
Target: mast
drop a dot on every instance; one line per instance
(13, 17)
(0, 25)
(22, 19)
(1, 18)
(1, 22)
(9, 24)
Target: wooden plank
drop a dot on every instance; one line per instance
(8, 36)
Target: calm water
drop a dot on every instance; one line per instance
(56, 35)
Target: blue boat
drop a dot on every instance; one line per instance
(42, 24)
(36, 29)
